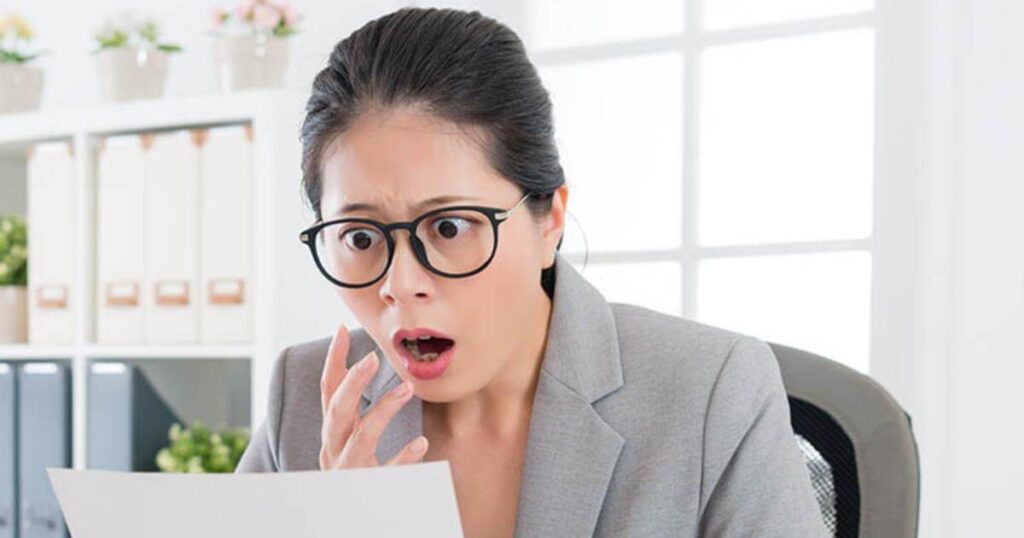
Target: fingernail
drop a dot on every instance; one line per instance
(402, 389)
(420, 444)
(364, 364)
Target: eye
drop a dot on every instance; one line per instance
(361, 239)
(449, 227)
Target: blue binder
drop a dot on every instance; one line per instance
(44, 440)
(8, 452)
(128, 420)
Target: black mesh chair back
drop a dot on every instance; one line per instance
(858, 444)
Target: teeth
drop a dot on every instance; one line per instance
(425, 337)
(414, 347)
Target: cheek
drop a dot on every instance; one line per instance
(364, 304)
(512, 274)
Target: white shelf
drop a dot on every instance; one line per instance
(18, 352)
(291, 302)
(144, 115)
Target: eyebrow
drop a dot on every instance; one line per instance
(437, 200)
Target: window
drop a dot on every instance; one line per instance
(720, 156)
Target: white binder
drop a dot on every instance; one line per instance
(51, 244)
(171, 238)
(120, 271)
(225, 218)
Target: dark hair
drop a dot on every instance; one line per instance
(460, 66)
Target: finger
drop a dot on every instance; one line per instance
(411, 453)
(343, 412)
(371, 425)
(334, 367)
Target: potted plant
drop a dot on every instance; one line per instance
(198, 450)
(130, 59)
(21, 84)
(251, 46)
(13, 280)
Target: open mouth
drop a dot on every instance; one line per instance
(427, 348)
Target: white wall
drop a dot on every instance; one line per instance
(987, 361)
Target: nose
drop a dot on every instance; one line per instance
(406, 280)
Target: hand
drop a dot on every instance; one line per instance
(350, 440)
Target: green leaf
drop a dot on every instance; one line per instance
(168, 47)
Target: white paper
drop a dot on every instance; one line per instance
(416, 499)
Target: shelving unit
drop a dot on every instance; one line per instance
(291, 303)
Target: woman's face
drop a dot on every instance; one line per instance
(395, 159)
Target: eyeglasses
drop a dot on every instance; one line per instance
(453, 242)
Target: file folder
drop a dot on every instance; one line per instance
(171, 244)
(8, 453)
(128, 420)
(51, 242)
(44, 440)
(225, 218)
(120, 199)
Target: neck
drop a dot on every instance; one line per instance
(501, 409)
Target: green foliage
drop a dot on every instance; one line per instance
(127, 31)
(15, 57)
(16, 35)
(13, 251)
(198, 450)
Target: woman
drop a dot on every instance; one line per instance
(430, 162)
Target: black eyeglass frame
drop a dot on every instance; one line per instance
(495, 215)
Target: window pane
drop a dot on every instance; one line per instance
(618, 127)
(655, 285)
(719, 14)
(817, 302)
(786, 148)
(564, 23)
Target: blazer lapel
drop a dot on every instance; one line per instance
(571, 451)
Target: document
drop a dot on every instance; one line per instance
(416, 499)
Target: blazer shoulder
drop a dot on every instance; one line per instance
(664, 342)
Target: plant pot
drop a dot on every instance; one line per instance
(13, 314)
(127, 74)
(21, 87)
(250, 61)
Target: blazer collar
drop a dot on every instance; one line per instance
(571, 451)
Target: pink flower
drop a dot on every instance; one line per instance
(291, 17)
(244, 9)
(265, 17)
(219, 16)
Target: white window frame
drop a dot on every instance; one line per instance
(913, 184)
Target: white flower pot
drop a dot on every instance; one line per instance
(250, 61)
(13, 314)
(21, 87)
(127, 74)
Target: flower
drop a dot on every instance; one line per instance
(15, 33)
(258, 16)
(219, 16)
(266, 17)
(244, 9)
(291, 17)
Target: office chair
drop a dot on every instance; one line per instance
(858, 444)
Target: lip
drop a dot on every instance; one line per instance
(422, 370)
(416, 332)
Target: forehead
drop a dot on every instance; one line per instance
(396, 158)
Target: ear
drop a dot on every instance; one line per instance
(554, 223)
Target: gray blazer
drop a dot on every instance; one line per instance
(643, 424)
